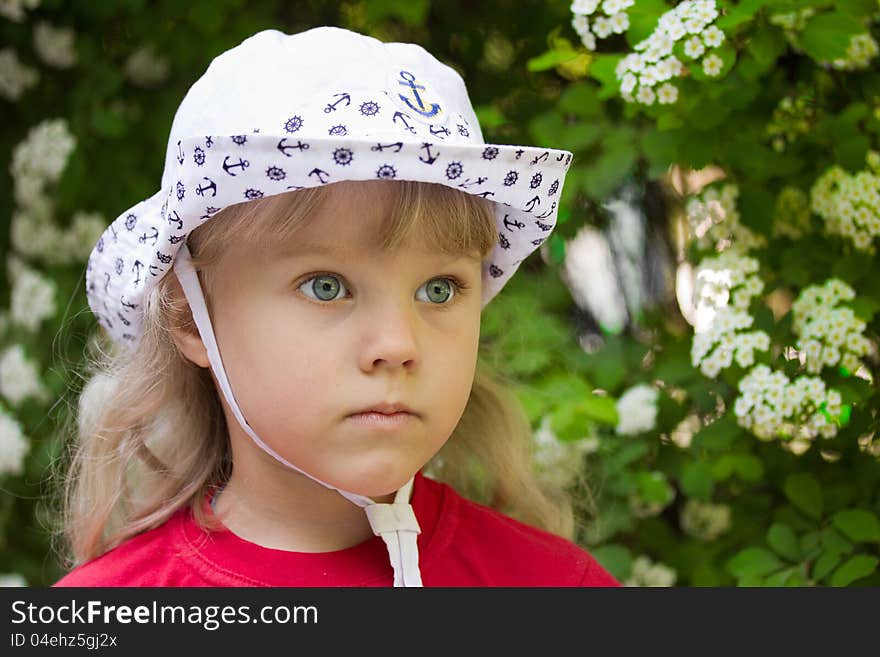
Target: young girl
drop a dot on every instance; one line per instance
(261, 415)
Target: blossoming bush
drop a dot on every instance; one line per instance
(722, 430)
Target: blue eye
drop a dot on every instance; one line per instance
(324, 287)
(438, 290)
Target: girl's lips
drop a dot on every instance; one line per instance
(383, 421)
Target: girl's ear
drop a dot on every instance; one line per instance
(183, 328)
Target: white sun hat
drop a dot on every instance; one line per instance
(280, 113)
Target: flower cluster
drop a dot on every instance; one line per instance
(646, 572)
(38, 162)
(770, 405)
(15, 77)
(145, 68)
(654, 63)
(792, 118)
(850, 204)
(704, 521)
(55, 45)
(33, 299)
(637, 410)
(613, 19)
(14, 9)
(829, 334)
(725, 286)
(862, 49)
(715, 221)
(556, 460)
(792, 215)
(19, 378)
(13, 445)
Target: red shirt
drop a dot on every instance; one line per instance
(462, 544)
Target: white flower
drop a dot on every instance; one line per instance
(667, 94)
(13, 445)
(705, 521)
(712, 65)
(54, 45)
(713, 37)
(15, 77)
(693, 47)
(611, 7)
(645, 95)
(18, 376)
(580, 23)
(602, 27)
(560, 461)
(584, 6)
(41, 156)
(33, 299)
(589, 40)
(628, 83)
(14, 9)
(144, 68)
(620, 23)
(645, 572)
(637, 410)
(12, 579)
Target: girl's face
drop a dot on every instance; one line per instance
(331, 327)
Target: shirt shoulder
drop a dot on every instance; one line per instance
(494, 549)
(151, 558)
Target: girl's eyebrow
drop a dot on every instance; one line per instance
(320, 248)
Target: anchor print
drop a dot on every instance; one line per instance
(136, 267)
(516, 223)
(243, 164)
(440, 131)
(299, 146)
(123, 318)
(176, 219)
(495, 271)
(473, 183)
(543, 226)
(106, 281)
(548, 213)
(428, 157)
(409, 80)
(560, 157)
(503, 241)
(113, 230)
(519, 153)
(342, 97)
(164, 258)
(209, 141)
(127, 304)
(532, 204)
(320, 173)
(155, 270)
(380, 148)
(179, 153)
(174, 239)
(155, 236)
(485, 194)
(403, 119)
(540, 158)
(210, 210)
(211, 186)
(538, 242)
(128, 336)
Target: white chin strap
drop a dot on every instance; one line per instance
(396, 523)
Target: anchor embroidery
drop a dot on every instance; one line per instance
(485, 194)
(381, 147)
(471, 183)
(209, 141)
(332, 106)
(548, 213)
(403, 118)
(543, 226)
(428, 158)
(560, 157)
(243, 164)
(113, 230)
(137, 267)
(538, 242)
(286, 147)
(320, 173)
(533, 202)
(179, 154)
(409, 80)
(539, 158)
(127, 304)
(212, 186)
(440, 131)
(515, 223)
(155, 236)
(176, 219)
(519, 153)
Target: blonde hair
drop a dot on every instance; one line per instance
(151, 437)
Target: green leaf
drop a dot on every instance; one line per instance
(832, 540)
(805, 493)
(779, 579)
(697, 480)
(643, 18)
(753, 562)
(767, 45)
(654, 488)
(601, 409)
(826, 36)
(857, 567)
(749, 467)
(825, 564)
(616, 559)
(581, 100)
(784, 542)
(858, 525)
(551, 59)
(717, 436)
(853, 267)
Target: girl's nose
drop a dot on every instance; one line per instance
(390, 337)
